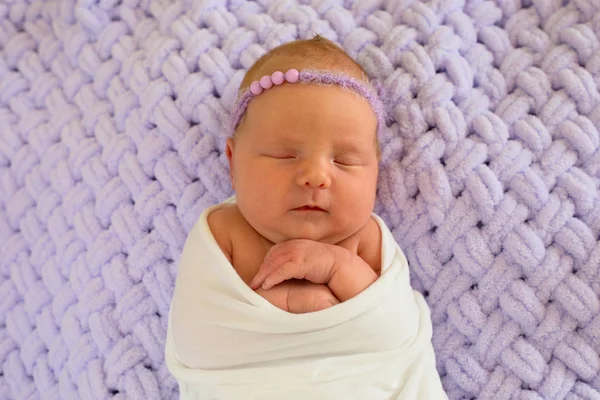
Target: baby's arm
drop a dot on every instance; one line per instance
(219, 222)
(359, 265)
(298, 297)
(351, 275)
(292, 296)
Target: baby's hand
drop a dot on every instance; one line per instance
(345, 273)
(296, 259)
(299, 297)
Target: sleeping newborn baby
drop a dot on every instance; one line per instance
(294, 288)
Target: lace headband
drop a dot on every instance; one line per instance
(325, 78)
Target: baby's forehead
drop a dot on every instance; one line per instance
(311, 108)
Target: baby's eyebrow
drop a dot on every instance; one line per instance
(279, 141)
(349, 147)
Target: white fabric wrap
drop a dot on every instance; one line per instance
(226, 342)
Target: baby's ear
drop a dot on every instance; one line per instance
(229, 152)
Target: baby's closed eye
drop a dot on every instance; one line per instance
(283, 156)
(280, 154)
(348, 160)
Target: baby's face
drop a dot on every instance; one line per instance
(304, 163)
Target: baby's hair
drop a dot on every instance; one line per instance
(315, 53)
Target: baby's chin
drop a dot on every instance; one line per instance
(318, 234)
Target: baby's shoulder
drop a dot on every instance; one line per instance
(366, 243)
(223, 222)
(369, 244)
(224, 214)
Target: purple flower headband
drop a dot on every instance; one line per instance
(366, 90)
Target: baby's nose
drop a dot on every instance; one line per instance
(317, 182)
(315, 176)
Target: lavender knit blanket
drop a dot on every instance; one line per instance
(113, 116)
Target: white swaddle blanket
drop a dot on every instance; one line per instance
(224, 341)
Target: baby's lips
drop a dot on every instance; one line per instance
(309, 207)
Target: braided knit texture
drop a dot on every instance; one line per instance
(113, 116)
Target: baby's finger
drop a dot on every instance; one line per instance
(277, 255)
(258, 279)
(271, 262)
(287, 271)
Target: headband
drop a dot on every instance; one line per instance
(325, 78)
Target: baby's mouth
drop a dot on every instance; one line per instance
(309, 208)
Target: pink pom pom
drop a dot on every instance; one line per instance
(255, 88)
(277, 78)
(265, 82)
(292, 75)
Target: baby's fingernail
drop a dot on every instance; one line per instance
(265, 286)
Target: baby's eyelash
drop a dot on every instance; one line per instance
(350, 162)
(281, 156)
(345, 164)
